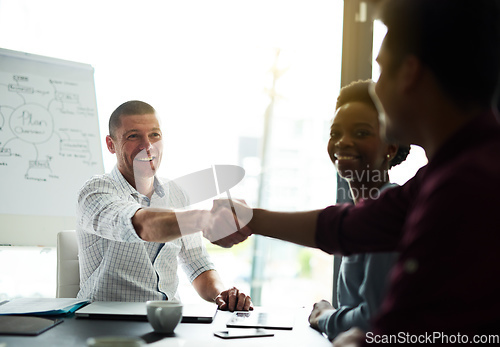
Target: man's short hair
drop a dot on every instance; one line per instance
(458, 40)
(129, 108)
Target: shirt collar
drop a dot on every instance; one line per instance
(117, 176)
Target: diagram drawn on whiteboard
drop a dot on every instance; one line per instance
(34, 125)
(49, 133)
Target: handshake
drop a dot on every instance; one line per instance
(227, 223)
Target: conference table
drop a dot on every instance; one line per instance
(75, 331)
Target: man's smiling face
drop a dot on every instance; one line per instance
(138, 146)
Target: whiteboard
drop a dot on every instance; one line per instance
(49, 144)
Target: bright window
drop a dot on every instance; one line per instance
(211, 69)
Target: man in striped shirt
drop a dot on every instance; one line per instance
(130, 243)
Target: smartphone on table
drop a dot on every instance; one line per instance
(242, 333)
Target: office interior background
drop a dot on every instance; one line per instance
(249, 83)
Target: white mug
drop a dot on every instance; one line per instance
(164, 315)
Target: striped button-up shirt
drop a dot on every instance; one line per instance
(115, 264)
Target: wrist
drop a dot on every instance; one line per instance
(323, 318)
(253, 223)
(190, 222)
(201, 217)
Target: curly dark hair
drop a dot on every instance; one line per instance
(358, 91)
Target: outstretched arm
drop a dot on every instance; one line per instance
(373, 225)
(231, 223)
(296, 227)
(159, 225)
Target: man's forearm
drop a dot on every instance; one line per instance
(296, 227)
(208, 285)
(159, 225)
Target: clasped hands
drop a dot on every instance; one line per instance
(227, 224)
(351, 338)
(233, 300)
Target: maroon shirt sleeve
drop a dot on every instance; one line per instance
(371, 226)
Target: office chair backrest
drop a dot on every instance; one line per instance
(68, 269)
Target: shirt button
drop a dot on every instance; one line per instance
(411, 265)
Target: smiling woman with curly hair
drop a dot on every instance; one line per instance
(363, 158)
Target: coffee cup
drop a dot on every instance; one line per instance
(164, 315)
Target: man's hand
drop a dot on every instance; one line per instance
(353, 337)
(227, 224)
(318, 309)
(233, 300)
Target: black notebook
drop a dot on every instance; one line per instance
(26, 325)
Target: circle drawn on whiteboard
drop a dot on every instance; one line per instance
(32, 123)
(2, 119)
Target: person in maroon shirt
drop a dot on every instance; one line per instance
(438, 87)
